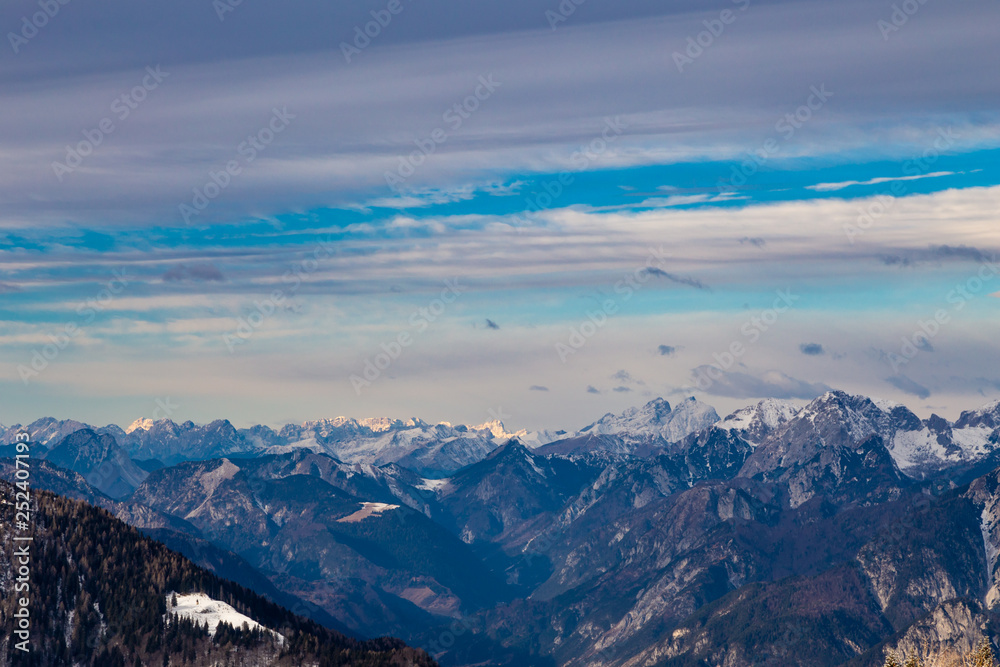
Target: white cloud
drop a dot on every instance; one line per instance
(829, 187)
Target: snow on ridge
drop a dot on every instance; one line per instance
(432, 484)
(202, 609)
(656, 419)
(885, 405)
(367, 510)
(769, 412)
(494, 426)
(142, 423)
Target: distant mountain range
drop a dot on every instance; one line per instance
(665, 535)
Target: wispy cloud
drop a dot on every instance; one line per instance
(829, 187)
(680, 280)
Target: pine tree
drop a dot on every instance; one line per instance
(982, 656)
(892, 660)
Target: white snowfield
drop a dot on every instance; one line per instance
(367, 510)
(202, 609)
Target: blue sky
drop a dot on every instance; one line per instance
(216, 207)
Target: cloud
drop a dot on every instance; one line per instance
(593, 390)
(772, 384)
(828, 187)
(812, 349)
(490, 324)
(624, 377)
(961, 252)
(8, 287)
(908, 386)
(537, 387)
(896, 260)
(622, 390)
(756, 242)
(667, 350)
(681, 280)
(937, 253)
(194, 273)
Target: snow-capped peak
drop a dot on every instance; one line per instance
(987, 416)
(142, 423)
(656, 419)
(495, 427)
(756, 422)
(380, 424)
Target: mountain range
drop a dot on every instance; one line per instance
(665, 535)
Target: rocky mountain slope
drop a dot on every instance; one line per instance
(820, 535)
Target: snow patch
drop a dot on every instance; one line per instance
(367, 510)
(432, 484)
(204, 610)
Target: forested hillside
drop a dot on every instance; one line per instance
(99, 595)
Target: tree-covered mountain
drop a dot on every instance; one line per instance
(99, 595)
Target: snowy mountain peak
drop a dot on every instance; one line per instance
(656, 419)
(142, 423)
(380, 424)
(495, 427)
(756, 422)
(987, 416)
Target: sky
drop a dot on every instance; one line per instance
(537, 211)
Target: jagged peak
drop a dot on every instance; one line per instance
(143, 423)
(494, 426)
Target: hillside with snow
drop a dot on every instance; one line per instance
(205, 611)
